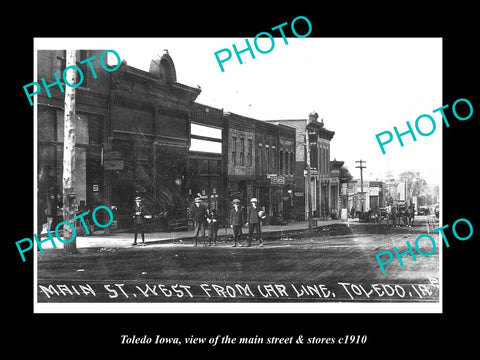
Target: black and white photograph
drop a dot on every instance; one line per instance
(221, 180)
(279, 174)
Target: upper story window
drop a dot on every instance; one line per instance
(80, 55)
(205, 139)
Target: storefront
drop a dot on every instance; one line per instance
(91, 114)
(145, 167)
(146, 153)
(205, 179)
(87, 170)
(279, 192)
(206, 158)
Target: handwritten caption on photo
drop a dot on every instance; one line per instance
(135, 291)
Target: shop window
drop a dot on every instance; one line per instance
(60, 124)
(264, 159)
(95, 128)
(234, 150)
(274, 160)
(288, 163)
(203, 184)
(249, 153)
(242, 152)
(213, 167)
(203, 166)
(45, 124)
(259, 157)
(214, 183)
(45, 167)
(281, 168)
(269, 153)
(292, 164)
(80, 174)
(81, 128)
(193, 166)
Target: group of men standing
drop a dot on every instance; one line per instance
(204, 217)
(237, 218)
(201, 217)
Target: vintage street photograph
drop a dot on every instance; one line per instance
(171, 177)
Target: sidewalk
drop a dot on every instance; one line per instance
(125, 239)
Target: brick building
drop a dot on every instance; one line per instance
(207, 165)
(375, 195)
(92, 115)
(142, 133)
(132, 136)
(260, 164)
(241, 157)
(324, 184)
(149, 136)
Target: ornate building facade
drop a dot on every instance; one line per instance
(132, 137)
(324, 182)
(141, 133)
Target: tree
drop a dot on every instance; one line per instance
(69, 156)
(345, 174)
(415, 183)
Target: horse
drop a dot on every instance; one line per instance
(410, 215)
(393, 216)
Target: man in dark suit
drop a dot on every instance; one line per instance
(236, 219)
(138, 220)
(212, 220)
(199, 215)
(253, 222)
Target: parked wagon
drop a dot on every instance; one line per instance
(403, 215)
(382, 215)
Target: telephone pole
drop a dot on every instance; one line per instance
(69, 195)
(361, 167)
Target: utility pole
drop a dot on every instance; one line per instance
(69, 200)
(361, 167)
(390, 182)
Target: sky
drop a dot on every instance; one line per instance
(359, 86)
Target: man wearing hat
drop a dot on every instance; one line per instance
(253, 221)
(237, 219)
(212, 219)
(138, 220)
(199, 215)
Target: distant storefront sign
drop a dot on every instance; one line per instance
(277, 180)
(112, 155)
